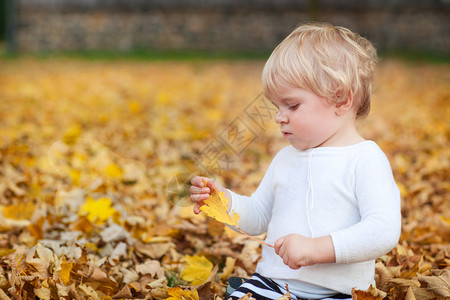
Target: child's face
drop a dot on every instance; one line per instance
(306, 120)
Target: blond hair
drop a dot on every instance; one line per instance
(330, 61)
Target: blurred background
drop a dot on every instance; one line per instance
(251, 26)
(109, 107)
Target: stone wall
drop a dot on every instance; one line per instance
(225, 25)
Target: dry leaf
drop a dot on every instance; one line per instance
(228, 269)
(198, 270)
(106, 153)
(370, 294)
(3, 296)
(20, 211)
(43, 293)
(98, 211)
(410, 294)
(45, 254)
(125, 292)
(154, 251)
(216, 206)
(247, 297)
(178, 294)
(439, 285)
(113, 171)
(66, 268)
(152, 267)
(89, 291)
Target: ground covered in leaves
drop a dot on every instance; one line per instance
(94, 157)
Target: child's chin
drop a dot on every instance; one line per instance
(300, 147)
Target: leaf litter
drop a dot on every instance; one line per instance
(87, 150)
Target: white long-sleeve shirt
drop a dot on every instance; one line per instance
(346, 192)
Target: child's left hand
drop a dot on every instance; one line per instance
(298, 251)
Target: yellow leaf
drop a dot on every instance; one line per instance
(198, 270)
(72, 134)
(403, 189)
(216, 206)
(21, 211)
(215, 228)
(113, 171)
(229, 267)
(180, 294)
(6, 251)
(99, 210)
(163, 99)
(76, 176)
(66, 268)
(134, 106)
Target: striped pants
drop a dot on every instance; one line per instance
(263, 288)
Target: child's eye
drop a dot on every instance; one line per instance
(294, 107)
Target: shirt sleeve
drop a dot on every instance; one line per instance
(255, 211)
(378, 199)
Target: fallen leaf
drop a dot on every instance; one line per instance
(152, 267)
(45, 254)
(43, 293)
(366, 295)
(88, 291)
(5, 252)
(410, 294)
(97, 211)
(55, 154)
(160, 283)
(228, 269)
(248, 296)
(125, 292)
(440, 284)
(3, 296)
(66, 268)
(113, 171)
(154, 251)
(198, 270)
(180, 294)
(20, 211)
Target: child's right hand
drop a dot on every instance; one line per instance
(200, 192)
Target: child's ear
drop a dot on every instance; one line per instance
(345, 105)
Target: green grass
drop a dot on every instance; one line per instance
(416, 56)
(197, 55)
(146, 55)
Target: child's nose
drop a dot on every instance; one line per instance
(280, 117)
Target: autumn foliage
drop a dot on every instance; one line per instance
(95, 158)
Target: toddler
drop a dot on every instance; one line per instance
(328, 201)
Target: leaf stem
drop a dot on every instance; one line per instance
(253, 238)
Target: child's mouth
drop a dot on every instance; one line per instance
(286, 134)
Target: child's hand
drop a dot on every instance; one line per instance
(298, 251)
(200, 192)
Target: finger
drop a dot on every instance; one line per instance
(294, 266)
(199, 190)
(198, 197)
(197, 207)
(283, 252)
(198, 181)
(278, 244)
(213, 185)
